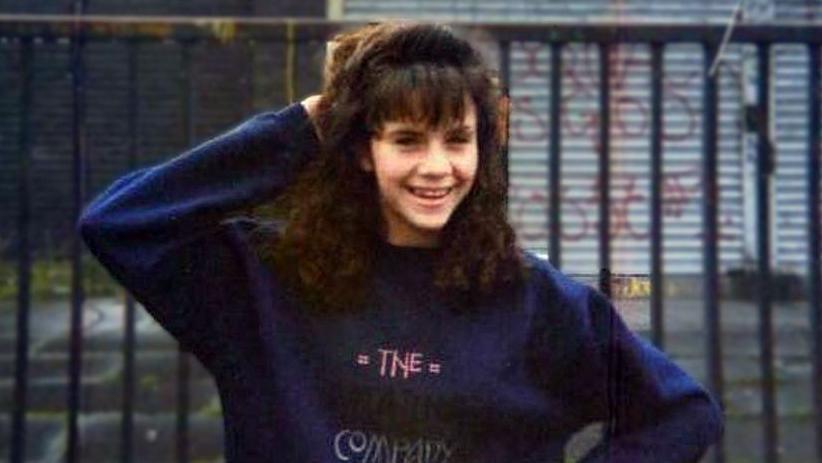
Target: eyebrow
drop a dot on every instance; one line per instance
(462, 128)
(418, 131)
(404, 132)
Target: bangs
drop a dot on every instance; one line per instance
(422, 93)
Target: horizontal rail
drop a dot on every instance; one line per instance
(226, 29)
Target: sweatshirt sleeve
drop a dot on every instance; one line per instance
(156, 229)
(652, 410)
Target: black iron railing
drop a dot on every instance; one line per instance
(134, 31)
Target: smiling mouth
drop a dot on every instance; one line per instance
(430, 193)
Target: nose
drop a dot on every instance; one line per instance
(435, 162)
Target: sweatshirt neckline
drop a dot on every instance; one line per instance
(405, 254)
(407, 248)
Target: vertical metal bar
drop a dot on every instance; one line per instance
(183, 366)
(554, 160)
(614, 385)
(813, 197)
(290, 61)
(814, 251)
(78, 72)
(20, 404)
(248, 101)
(657, 282)
(127, 424)
(505, 75)
(764, 171)
(710, 202)
(604, 146)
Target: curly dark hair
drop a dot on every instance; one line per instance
(387, 72)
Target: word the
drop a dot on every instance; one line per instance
(394, 363)
(361, 447)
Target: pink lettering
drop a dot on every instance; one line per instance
(414, 363)
(394, 363)
(398, 363)
(384, 355)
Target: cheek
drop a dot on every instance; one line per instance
(389, 174)
(389, 177)
(466, 168)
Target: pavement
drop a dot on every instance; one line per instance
(156, 388)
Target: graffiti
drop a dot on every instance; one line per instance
(580, 213)
(677, 192)
(527, 115)
(531, 51)
(630, 116)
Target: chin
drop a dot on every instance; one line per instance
(431, 225)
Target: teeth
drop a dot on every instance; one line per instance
(426, 193)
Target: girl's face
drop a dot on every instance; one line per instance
(423, 174)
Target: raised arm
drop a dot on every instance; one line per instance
(653, 411)
(157, 230)
(148, 213)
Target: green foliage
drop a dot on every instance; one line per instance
(150, 381)
(51, 279)
(212, 408)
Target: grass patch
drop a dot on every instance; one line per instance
(51, 279)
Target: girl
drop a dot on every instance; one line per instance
(392, 317)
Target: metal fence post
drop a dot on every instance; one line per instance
(656, 134)
(78, 72)
(555, 157)
(710, 236)
(24, 187)
(764, 171)
(813, 233)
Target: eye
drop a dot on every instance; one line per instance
(406, 141)
(459, 137)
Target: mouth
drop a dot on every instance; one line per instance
(430, 193)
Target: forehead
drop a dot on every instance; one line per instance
(425, 93)
(467, 120)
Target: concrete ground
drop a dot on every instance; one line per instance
(155, 397)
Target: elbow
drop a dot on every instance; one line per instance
(88, 226)
(708, 429)
(95, 227)
(707, 425)
(714, 421)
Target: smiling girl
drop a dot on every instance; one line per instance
(391, 317)
(422, 175)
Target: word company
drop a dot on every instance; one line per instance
(361, 447)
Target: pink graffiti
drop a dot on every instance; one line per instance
(580, 212)
(630, 116)
(522, 107)
(629, 119)
(531, 50)
(677, 192)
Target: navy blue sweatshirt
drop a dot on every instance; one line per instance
(402, 379)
